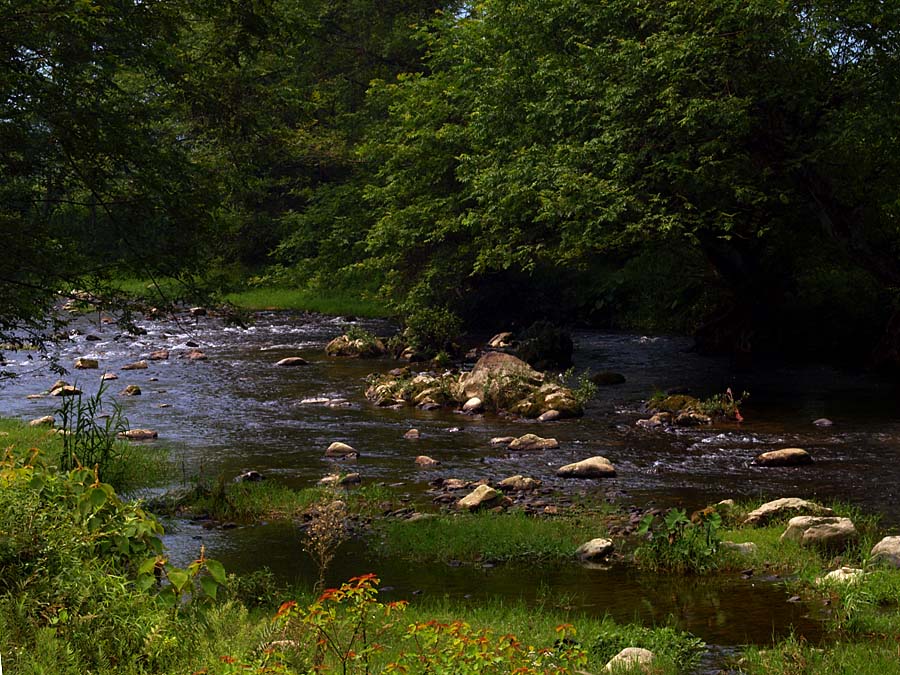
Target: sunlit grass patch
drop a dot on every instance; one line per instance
(485, 537)
(332, 302)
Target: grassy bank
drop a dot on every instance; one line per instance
(334, 302)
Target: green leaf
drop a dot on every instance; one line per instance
(217, 570)
(147, 566)
(178, 578)
(210, 586)
(98, 498)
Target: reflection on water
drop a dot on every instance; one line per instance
(237, 411)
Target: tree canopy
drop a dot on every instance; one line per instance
(726, 168)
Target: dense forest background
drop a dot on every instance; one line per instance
(728, 168)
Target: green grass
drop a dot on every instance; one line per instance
(793, 657)
(485, 537)
(332, 302)
(133, 466)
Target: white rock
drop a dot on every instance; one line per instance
(831, 531)
(338, 449)
(888, 549)
(593, 467)
(779, 508)
(629, 660)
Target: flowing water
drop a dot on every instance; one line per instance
(237, 411)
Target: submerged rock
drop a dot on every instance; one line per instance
(159, 355)
(292, 361)
(784, 457)
(593, 467)
(780, 508)
(131, 390)
(607, 379)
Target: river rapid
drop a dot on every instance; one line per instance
(236, 411)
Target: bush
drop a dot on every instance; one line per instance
(675, 543)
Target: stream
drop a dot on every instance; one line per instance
(236, 411)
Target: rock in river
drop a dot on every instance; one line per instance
(593, 467)
(85, 363)
(292, 361)
(533, 442)
(784, 457)
(338, 449)
(139, 434)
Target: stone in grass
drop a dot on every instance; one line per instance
(746, 548)
(826, 531)
(779, 508)
(138, 434)
(291, 361)
(533, 442)
(784, 457)
(45, 421)
(338, 449)
(593, 467)
(131, 390)
(480, 497)
(630, 660)
(595, 550)
(842, 575)
(888, 550)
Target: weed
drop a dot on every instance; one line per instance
(675, 543)
(325, 531)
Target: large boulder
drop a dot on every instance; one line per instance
(784, 457)
(500, 378)
(533, 442)
(825, 531)
(888, 549)
(593, 467)
(780, 508)
(480, 497)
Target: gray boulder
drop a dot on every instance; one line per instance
(888, 549)
(785, 506)
(825, 531)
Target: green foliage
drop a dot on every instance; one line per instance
(675, 543)
(585, 389)
(667, 644)
(432, 329)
